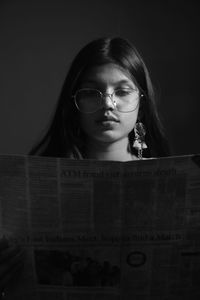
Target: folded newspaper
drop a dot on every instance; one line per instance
(103, 230)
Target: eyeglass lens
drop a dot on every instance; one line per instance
(91, 100)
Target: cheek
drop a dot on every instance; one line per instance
(129, 121)
(86, 123)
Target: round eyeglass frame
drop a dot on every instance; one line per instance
(103, 95)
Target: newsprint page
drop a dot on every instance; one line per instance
(96, 230)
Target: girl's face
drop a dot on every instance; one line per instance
(109, 125)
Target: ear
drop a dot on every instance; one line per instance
(141, 109)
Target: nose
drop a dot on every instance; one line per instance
(108, 102)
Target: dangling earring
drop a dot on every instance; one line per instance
(139, 141)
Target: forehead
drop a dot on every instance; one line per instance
(107, 74)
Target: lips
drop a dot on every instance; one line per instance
(107, 122)
(108, 119)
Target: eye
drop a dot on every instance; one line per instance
(123, 92)
(88, 93)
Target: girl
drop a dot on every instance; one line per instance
(107, 100)
(106, 111)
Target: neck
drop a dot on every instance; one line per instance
(117, 151)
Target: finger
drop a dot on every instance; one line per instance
(3, 243)
(10, 276)
(8, 265)
(8, 252)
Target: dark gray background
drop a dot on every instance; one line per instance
(39, 39)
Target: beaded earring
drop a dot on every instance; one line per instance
(139, 141)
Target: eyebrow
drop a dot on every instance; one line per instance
(120, 82)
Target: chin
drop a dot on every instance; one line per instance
(108, 137)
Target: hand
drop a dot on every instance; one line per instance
(11, 263)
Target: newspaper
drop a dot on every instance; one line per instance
(103, 230)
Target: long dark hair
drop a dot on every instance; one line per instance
(64, 137)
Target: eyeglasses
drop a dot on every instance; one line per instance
(91, 100)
